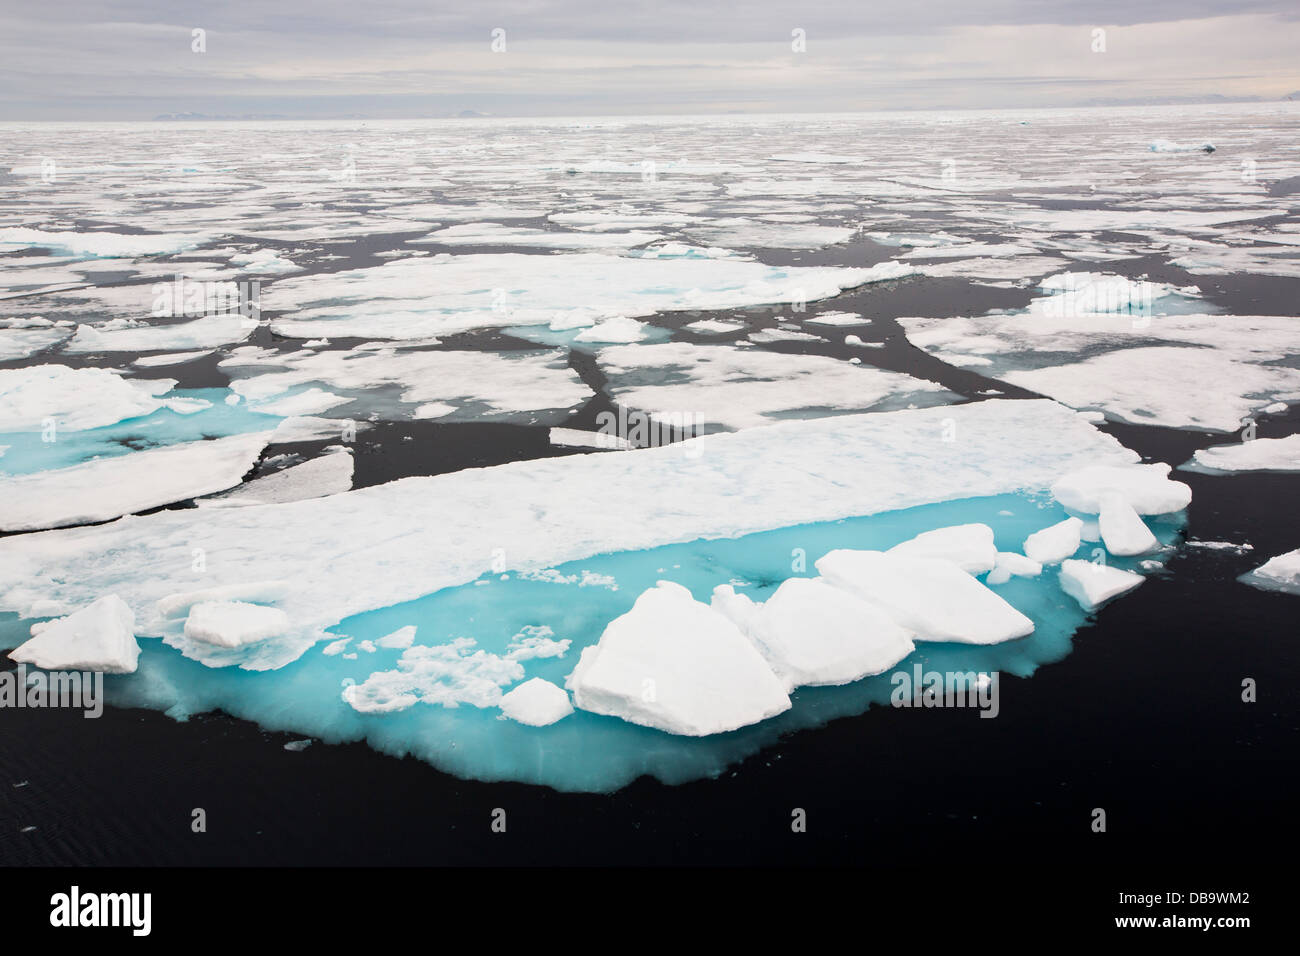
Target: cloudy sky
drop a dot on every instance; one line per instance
(133, 59)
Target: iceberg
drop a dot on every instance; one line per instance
(674, 664)
(99, 637)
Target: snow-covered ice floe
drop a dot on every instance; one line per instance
(889, 511)
(1281, 573)
(739, 387)
(1127, 347)
(1259, 454)
(443, 294)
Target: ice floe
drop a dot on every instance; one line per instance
(1258, 454)
(39, 397)
(438, 295)
(675, 664)
(98, 637)
(813, 633)
(739, 386)
(537, 703)
(1093, 584)
(368, 549)
(105, 488)
(932, 597)
(1281, 573)
(1054, 544)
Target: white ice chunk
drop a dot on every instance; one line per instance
(1281, 573)
(1093, 584)
(578, 438)
(234, 623)
(969, 546)
(1010, 564)
(1054, 544)
(74, 399)
(107, 245)
(618, 329)
(99, 637)
(674, 664)
(1260, 454)
(1122, 529)
(813, 633)
(105, 488)
(930, 596)
(257, 592)
(1147, 488)
(208, 332)
(330, 474)
(536, 702)
(740, 386)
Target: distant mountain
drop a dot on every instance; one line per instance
(468, 114)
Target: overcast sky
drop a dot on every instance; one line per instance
(133, 59)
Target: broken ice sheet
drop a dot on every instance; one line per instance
(739, 387)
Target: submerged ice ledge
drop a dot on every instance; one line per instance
(373, 548)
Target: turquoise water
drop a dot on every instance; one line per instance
(586, 752)
(28, 454)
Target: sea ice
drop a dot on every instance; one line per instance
(675, 664)
(105, 488)
(932, 597)
(1054, 544)
(369, 549)
(234, 623)
(1094, 584)
(443, 294)
(969, 546)
(1009, 565)
(74, 399)
(1122, 529)
(1147, 488)
(1259, 454)
(536, 702)
(1281, 573)
(99, 637)
(208, 332)
(740, 386)
(813, 633)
